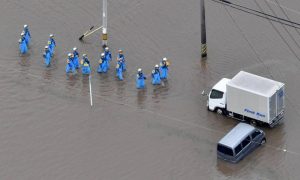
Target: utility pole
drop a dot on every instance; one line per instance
(203, 30)
(104, 24)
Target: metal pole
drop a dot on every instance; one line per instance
(104, 24)
(91, 93)
(203, 31)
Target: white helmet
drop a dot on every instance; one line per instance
(69, 55)
(165, 59)
(25, 26)
(75, 48)
(23, 33)
(156, 66)
(120, 51)
(102, 54)
(106, 48)
(51, 35)
(84, 55)
(139, 70)
(46, 47)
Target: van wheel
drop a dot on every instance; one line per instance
(253, 123)
(219, 111)
(263, 141)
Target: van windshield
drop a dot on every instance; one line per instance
(215, 94)
(225, 150)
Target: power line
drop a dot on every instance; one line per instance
(259, 13)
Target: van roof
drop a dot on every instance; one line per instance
(236, 135)
(255, 84)
(221, 85)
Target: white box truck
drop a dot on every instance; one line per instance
(248, 97)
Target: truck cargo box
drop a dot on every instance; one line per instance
(256, 97)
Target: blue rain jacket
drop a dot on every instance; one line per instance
(140, 81)
(27, 36)
(47, 57)
(108, 58)
(70, 67)
(119, 71)
(122, 59)
(76, 62)
(86, 69)
(156, 77)
(23, 46)
(102, 68)
(164, 71)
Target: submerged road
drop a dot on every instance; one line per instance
(49, 131)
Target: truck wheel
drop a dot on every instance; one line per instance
(219, 111)
(263, 141)
(253, 123)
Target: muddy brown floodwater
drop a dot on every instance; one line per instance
(49, 131)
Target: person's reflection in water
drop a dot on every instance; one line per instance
(141, 98)
(85, 89)
(160, 92)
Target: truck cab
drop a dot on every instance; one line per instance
(217, 97)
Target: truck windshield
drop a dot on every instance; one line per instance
(215, 94)
(225, 150)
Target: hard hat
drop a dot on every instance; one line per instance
(139, 70)
(75, 48)
(25, 26)
(23, 33)
(106, 48)
(46, 47)
(69, 55)
(102, 54)
(156, 66)
(120, 51)
(51, 35)
(20, 40)
(84, 55)
(165, 59)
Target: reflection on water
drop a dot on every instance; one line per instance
(160, 91)
(141, 98)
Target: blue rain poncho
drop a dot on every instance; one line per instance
(119, 71)
(164, 70)
(102, 68)
(76, 59)
(108, 57)
(51, 48)
(27, 35)
(156, 77)
(86, 69)
(23, 46)
(70, 66)
(121, 58)
(47, 57)
(140, 81)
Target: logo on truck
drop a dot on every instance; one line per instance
(254, 113)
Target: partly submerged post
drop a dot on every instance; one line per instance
(203, 31)
(104, 24)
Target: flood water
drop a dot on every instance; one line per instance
(49, 131)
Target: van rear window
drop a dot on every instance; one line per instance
(225, 150)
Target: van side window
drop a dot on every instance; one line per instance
(225, 150)
(246, 141)
(255, 133)
(215, 94)
(238, 149)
